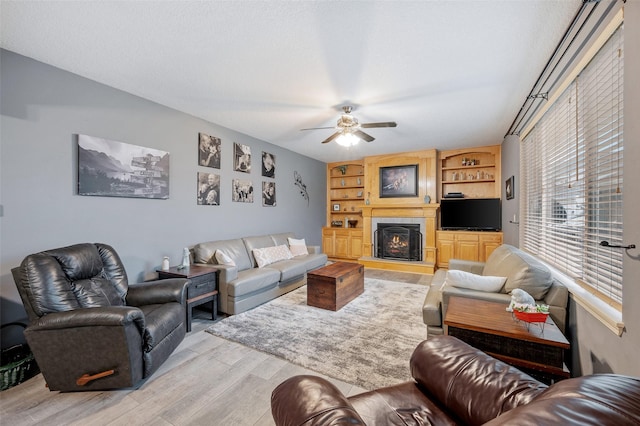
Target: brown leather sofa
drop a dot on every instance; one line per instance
(89, 329)
(456, 384)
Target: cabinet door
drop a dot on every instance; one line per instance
(356, 245)
(341, 244)
(446, 248)
(328, 242)
(467, 250)
(488, 243)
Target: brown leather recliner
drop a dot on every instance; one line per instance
(89, 329)
(456, 384)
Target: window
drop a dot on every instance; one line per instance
(571, 175)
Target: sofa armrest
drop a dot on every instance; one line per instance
(449, 291)
(311, 400)
(158, 291)
(314, 249)
(468, 382)
(467, 266)
(227, 273)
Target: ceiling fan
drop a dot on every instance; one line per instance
(348, 129)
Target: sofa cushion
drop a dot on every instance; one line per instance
(289, 269)
(223, 259)
(462, 279)
(283, 238)
(521, 269)
(312, 260)
(252, 280)
(96, 292)
(235, 249)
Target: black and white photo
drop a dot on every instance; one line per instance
(242, 191)
(209, 150)
(208, 189)
(242, 158)
(116, 169)
(269, 194)
(268, 165)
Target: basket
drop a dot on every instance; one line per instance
(531, 316)
(16, 363)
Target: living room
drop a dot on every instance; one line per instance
(44, 108)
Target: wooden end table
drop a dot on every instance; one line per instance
(537, 350)
(333, 286)
(202, 288)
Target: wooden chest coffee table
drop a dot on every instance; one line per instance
(538, 351)
(333, 286)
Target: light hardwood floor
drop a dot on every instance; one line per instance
(206, 381)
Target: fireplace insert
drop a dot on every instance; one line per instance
(398, 241)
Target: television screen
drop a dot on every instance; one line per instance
(472, 214)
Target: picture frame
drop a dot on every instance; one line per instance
(399, 181)
(336, 207)
(509, 188)
(268, 165)
(268, 194)
(241, 158)
(209, 150)
(109, 168)
(208, 189)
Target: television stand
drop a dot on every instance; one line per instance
(466, 245)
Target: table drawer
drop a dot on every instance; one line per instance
(201, 285)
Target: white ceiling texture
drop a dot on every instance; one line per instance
(451, 73)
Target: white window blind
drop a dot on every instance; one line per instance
(571, 165)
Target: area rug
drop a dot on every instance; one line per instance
(367, 343)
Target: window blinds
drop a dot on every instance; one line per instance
(571, 164)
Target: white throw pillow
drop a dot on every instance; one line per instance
(298, 247)
(223, 259)
(268, 255)
(462, 279)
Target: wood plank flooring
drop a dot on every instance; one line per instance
(206, 381)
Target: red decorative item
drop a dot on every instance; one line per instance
(531, 316)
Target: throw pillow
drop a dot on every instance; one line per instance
(223, 259)
(268, 255)
(462, 279)
(261, 256)
(298, 247)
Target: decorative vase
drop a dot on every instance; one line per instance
(165, 263)
(185, 258)
(427, 199)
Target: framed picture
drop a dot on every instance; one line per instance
(268, 194)
(399, 181)
(242, 191)
(268, 165)
(242, 158)
(208, 189)
(336, 207)
(209, 151)
(109, 168)
(509, 188)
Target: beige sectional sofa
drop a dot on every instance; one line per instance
(247, 277)
(521, 271)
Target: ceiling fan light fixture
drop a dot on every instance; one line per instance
(347, 140)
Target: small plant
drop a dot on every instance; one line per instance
(343, 168)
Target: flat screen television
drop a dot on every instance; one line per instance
(471, 214)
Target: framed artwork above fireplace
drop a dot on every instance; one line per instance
(399, 181)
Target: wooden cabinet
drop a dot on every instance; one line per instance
(475, 172)
(340, 243)
(345, 193)
(465, 245)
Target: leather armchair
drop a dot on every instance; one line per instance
(456, 384)
(88, 328)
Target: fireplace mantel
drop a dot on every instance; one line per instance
(427, 211)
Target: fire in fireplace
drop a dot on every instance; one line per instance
(398, 241)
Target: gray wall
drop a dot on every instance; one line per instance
(511, 167)
(596, 349)
(44, 107)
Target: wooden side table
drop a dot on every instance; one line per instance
(202, 288)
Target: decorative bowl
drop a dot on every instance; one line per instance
(531, 316)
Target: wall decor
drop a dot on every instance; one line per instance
(116, 169)
(209, 150)
(242, 158)
(399, 181)
(269, 194)
(268, 165)
(297, 181)
(242, 191)
(208, 189)
(509, 188)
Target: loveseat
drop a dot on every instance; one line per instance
(520, 269)
(254, 270)
(456, 384)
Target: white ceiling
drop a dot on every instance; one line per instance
(451, 73)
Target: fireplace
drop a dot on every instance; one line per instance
(398, 241)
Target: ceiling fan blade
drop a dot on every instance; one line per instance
(384, 124)
(362, 135)
(332, 137)
(319, 128)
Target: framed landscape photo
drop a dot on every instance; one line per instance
(399, 181)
